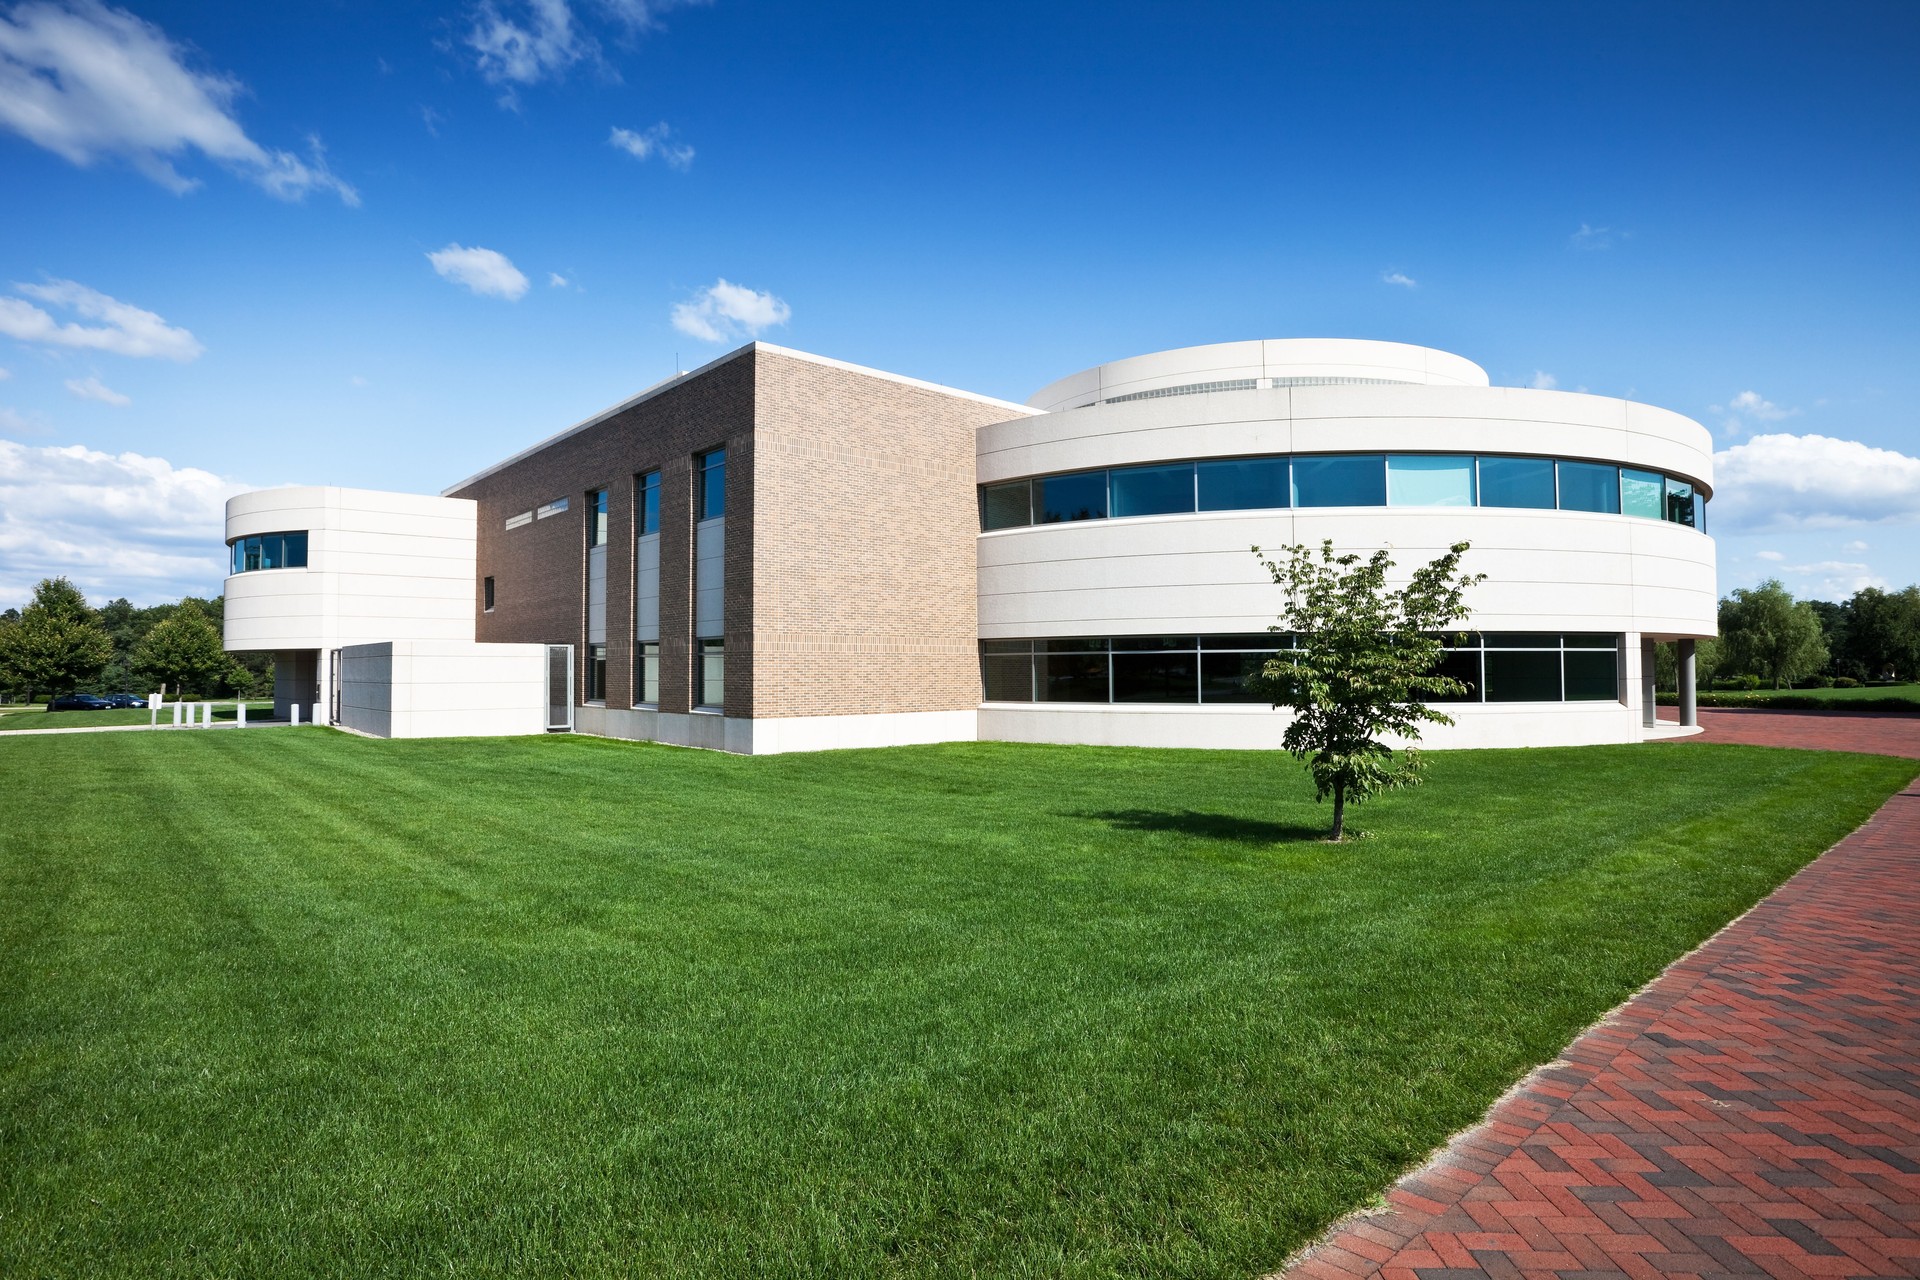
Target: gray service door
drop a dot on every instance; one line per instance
(559, 688)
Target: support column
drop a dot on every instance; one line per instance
(1689, 712)
(1649, 666)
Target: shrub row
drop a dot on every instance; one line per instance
(1785, 701)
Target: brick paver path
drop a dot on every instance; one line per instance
(1754, 1112)
(1881, 733)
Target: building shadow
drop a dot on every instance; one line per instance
(1208, 826)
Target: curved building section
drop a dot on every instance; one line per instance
(1586, 513)
(317, 569)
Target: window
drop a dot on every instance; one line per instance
(553, 508)
(597, 518)
(1588, 486)
(488, 586)
(1071, 670)
(1006, 670)
(1155, 669)
(647, 503)
(1081, 495)
(1593, 668)
(710, 472)
(1151, 491)
(1359, 480)
(710, 673)
(1228, 662)
(270, 551)
(1006, 506)
(1642, 493)
(1679, 501)
(596, 673)
(646, 672)
(1416, 480)
(1242, 484)
(1517, 482)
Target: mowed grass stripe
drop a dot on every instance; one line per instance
(290, 1003)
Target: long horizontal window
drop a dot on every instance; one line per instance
(1341, 480)
(1495, 667)
(270, 551)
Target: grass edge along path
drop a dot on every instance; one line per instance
(568, 1006)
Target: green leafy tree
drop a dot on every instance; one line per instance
(1363, 658)
(57, 644)
(1883, 634)
(1708, 659)
(184, 652)
(1767, 633)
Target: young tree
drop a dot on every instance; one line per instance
(57, 645)
(1767, 632)
(1363, 658)
(184, 652)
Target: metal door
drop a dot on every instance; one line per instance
(559, 688)
(333, 690)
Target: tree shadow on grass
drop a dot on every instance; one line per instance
(1209, 826)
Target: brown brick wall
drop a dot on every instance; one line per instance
(539, 570)
(850, 561)
(865, 571)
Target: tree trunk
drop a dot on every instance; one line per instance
(1339, 811)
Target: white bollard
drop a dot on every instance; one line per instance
(240, 714)
(176, 715)
(206, 715)
(294, 711)
(316, 713)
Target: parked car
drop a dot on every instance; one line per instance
(79, 702)
(128, 701)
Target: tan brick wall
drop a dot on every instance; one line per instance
(864, 566)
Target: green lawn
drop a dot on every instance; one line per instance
(297, 1004)
(38, 717)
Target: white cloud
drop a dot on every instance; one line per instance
(1781, 481)
(86, 81)
(1400, 278)
(117, 525)
(1749, 407)
(557, 281)
(91, 388)
(1834, 579)
(523, 44)
(656, 141)
(1592, 237)
(5, 374)
(1543, 381)
(724, 310)
(484, 271)
(127, 331)
(1769, 555)
(1856, 545)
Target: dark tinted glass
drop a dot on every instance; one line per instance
(1151, 491)
(1143, 644)
(1007, 677)
(1520, 676)
(1080, 496)
(1589, 486)
(1521, 640)
(1223, 676)
(1592, 675)
(1266, 641)
(1679, 501)
(1156, 677)
(489, 593)
(650, 503)
(1242, 484)
(596, 673)
(597, 518)
(296, 550)
(713, 484)
(1072, 677)
(1006, 506)
(1463, 665)
(1592, 642)
(1516, 482)
(1344, 481)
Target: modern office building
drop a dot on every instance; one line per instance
(782, 552)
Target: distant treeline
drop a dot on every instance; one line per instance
(58, 643)
(1767, 638)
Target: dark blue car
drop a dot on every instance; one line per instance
(79, 702)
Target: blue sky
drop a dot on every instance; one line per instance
(386, 245)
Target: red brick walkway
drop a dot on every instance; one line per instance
(1880, 733)
(1754, 1112)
